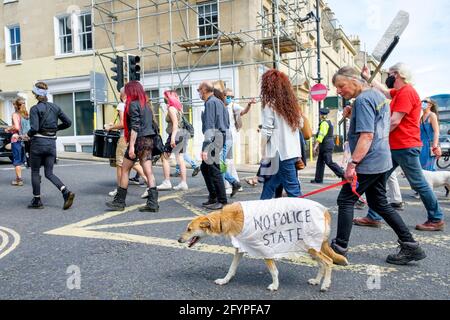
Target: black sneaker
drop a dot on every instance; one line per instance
(134, 181)
(338, 249)
(409, 251)
(209, 202)
(155, 159)
(398, 206)
(196, 171)
(215, 206)
(359, 205)
(36, 203)
(68, 199)
(236, 187)
(175, 175)
(316, 182)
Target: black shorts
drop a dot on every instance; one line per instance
(181, 144)
(143, 149)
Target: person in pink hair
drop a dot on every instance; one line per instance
(176, 142)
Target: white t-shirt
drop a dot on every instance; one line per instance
(281, 228)
(121, 108)
(233, 107)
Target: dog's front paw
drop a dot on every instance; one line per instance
(272, 287)
(313, 282)
(221, 282)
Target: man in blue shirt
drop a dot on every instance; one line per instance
(215, 124)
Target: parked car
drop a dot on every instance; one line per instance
(5, 141)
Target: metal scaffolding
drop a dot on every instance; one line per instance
(278, 32)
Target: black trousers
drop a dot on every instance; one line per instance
(214, 182)
(325, 158)
(43, 153)
(374, 186)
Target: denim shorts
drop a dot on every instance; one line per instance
(18, 153)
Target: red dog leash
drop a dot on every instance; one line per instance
(354, 185)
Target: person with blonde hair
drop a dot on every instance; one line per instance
(20, 113)
(44, 122)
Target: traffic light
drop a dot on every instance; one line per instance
(118, 70)
(134, 69)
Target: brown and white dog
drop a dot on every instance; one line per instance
(230, 222)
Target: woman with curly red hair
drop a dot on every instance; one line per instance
(281, 121)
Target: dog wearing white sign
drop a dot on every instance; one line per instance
(301, 225)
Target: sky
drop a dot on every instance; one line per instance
(424, 46)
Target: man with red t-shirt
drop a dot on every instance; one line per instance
(405, 144)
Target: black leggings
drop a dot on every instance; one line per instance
(43, 153)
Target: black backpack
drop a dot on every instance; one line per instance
(187, 125)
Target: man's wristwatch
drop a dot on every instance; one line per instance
(354, 162)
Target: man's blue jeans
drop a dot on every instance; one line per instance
(287, 177)
(408, 160)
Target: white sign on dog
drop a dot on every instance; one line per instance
(279, 228)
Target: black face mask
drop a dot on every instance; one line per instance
(390, 81)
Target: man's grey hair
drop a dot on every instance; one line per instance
(349, 73)
(403, 70)
(208, 85)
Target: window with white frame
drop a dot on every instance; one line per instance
(85, 32)
(208, 21)
(13, 44)
(73, 33)
(65, 35)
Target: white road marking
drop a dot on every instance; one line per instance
(5, 235)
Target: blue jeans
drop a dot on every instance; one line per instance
(287, 177)
(408, 160)
(188, 160)
(227, 176)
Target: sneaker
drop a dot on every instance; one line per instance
(196, 171)
(367, 222)
(113, 193)
(409, 251)
(359, 205)
(209, 202)
(134, 181)
(398, 206)
(228, 191)
(235, 189)
(241, 189)
(182, 186)
(431, 226)
(166, 185)
(215, 206)
(36, 203)
(338, 249)
(316, 182)
(17, 182)
(416, 196)
(145, 194)
(175, 175)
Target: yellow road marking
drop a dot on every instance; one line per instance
(136, 223)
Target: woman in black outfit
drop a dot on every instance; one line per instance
(44, 125)
(139, 133)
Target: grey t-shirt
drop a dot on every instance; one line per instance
(371, 114)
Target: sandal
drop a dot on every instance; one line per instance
(251, 181)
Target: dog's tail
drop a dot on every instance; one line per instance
(337, 258)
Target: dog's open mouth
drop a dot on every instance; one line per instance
(193, 241)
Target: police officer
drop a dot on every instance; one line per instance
(324, 146)
(44, 125)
